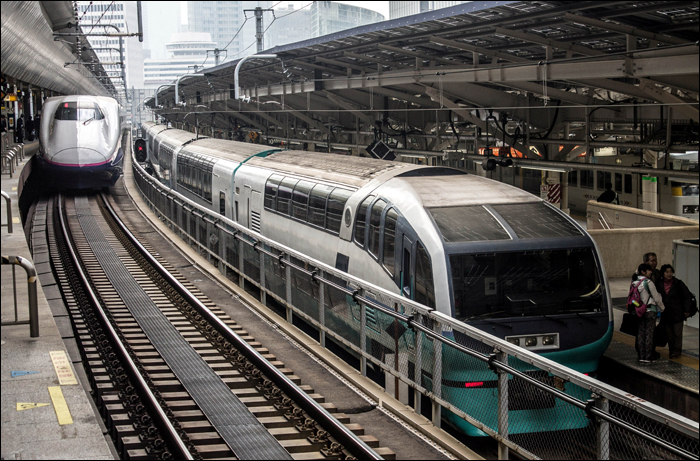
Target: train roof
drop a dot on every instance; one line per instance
(229, 150)
(355, 171)
(465, 190)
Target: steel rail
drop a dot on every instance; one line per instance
(177, 447)
(338, 430)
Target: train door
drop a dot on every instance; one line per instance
(242, 205)
(406, 274)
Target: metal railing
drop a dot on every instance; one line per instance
(517, 394)
(10, 153)
(604, 221)
(32, 293)
(8, 200)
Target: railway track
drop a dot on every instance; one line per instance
(172, 374)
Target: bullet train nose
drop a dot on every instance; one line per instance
(79, 157)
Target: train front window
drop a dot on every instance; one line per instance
(526, 284)
(467, 224)
(80, 111)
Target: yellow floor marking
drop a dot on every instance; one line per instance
(63, 369)
(60, 405)
(28, 406)
(14, 188)
(683, 360)
(15, 220)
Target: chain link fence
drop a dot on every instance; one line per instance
(478, 383)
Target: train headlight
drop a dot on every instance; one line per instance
(515, 341)
(531, 341)
(548, 340)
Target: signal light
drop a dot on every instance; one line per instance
(474, 384)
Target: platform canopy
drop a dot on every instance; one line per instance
(32, 54)
(549, 79)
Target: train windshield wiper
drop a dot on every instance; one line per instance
(88, 120)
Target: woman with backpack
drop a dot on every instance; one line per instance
(647, 320)
(676, 298)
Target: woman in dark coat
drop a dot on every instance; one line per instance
(676, 298)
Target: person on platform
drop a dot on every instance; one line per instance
(30, 128)
(676, 298)
(655, 304)
(653, 261)
(609, 196)
(19, 130)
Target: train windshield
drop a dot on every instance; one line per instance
(526, 284)
(79, 111)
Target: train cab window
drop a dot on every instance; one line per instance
(587, 179)
(300, 199)
(80, 111)
(573, 178)
(374, 220)
(618, 182)
(284, 194)
(628, 184)
(317, 204)
(360, 220)
(271, 191)
(425, 289)
(336, 204)
(222, 203)
(389, 245)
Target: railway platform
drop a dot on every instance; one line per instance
(44, 415)
(671, 383)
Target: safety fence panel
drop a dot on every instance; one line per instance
(480, 384)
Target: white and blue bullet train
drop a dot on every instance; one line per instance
(80, 142)
(483, 252)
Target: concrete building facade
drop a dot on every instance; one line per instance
(99, 17)
(401, 9)
(184, 52)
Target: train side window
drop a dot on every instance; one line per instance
(336, 204)
(628, 184)
(618, 182)
(222, 203)
(360, 220)
(317, 204)
(374, 220)
(236, 217)
(587, 179)
(425, 289)
(271, 191)
(573, 178)
(300, 199)
(284, 194)
(603, 178)
(389, 244)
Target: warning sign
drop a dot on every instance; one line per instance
(63, 369)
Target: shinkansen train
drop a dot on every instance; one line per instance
(80, 142)
(483, 252)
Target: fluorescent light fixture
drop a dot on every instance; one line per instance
(545, 168)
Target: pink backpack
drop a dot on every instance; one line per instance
(634, 299)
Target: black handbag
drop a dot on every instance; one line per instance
(660, 336)
(630, 324)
